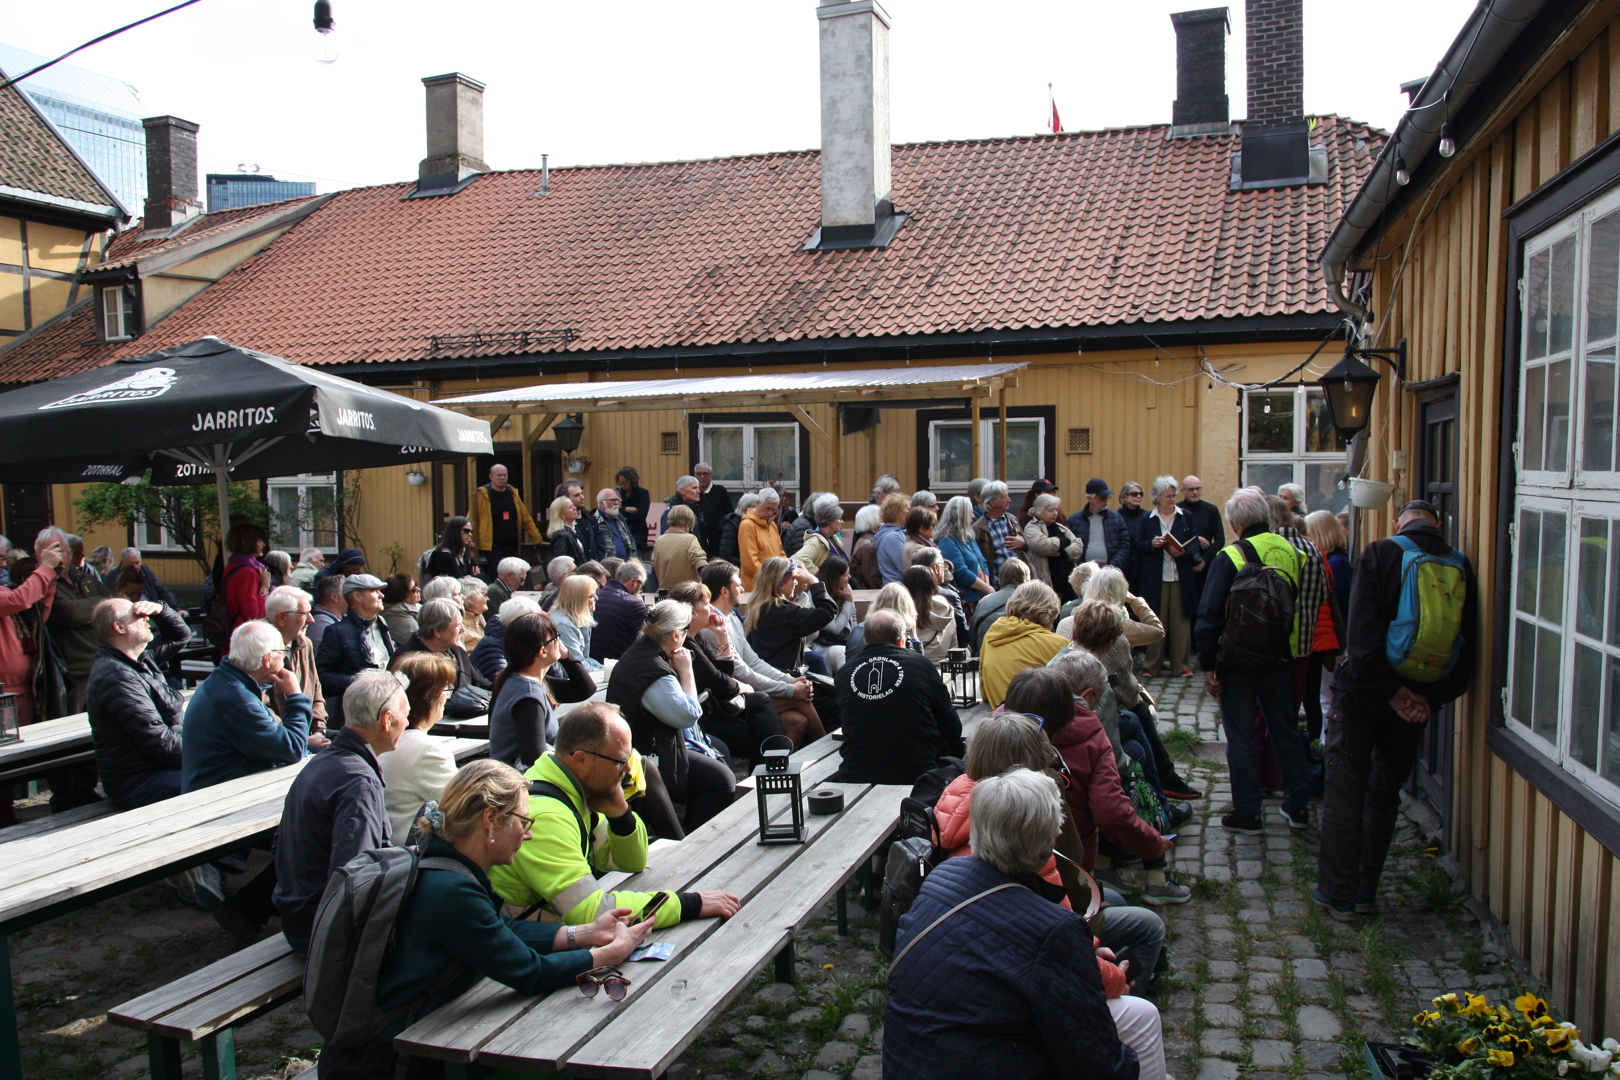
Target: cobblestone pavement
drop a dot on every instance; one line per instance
(1263, 986)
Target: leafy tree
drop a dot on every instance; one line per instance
(188, 515)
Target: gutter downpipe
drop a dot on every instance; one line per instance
(1490, 31)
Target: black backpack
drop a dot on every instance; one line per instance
(353, 934)
(916, 852)
(1259, 617)
(216, 624)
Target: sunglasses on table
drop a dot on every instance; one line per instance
(610, 979)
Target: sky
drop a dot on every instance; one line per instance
(656, 80)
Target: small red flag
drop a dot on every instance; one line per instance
(1057, 124)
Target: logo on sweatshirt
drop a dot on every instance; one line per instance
(876, 678)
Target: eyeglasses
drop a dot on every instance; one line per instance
(528, 822)
(282, 651)
(548, 641)
(623, 763)
(466, 528)
(304, 613)
(610, 979)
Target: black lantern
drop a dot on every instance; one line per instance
(10, 730)
(961, 674)
(1350, 385)
(567, 432)
(778, 775)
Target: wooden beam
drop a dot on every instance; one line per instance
(539, 429)
(495, 424)
(854, 395)
(1001, 437)
(816, 431)
(977, 441)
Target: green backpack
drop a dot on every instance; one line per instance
(1425, 640)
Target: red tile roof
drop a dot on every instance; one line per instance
(33, 157)
(1082, 229)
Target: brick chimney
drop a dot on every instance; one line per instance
(455, 135)
(171, 172)
(855, 206)
(1276, 55)
(1201, 105)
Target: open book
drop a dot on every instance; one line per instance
(1175, 547)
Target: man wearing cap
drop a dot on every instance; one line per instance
(348, 561)
(1379, 717)
(353, 644)
(500, 520)
(1103, 532)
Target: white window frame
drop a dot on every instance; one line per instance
(1576, 493)
(166, 544)
(989, 463)
(750, 481)
(1296, 457)
(117, 312)
(302, 483)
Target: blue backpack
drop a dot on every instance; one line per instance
(1425, 640)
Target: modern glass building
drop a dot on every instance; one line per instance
(99, 116)
(227, 191)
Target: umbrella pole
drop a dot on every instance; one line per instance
(222, 480)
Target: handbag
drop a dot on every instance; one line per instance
(467, 702)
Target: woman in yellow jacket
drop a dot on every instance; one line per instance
(1020, 639)
(758, 538)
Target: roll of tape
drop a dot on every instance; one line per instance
(826, 801)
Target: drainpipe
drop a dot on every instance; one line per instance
(1490, 32)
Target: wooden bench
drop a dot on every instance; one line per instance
(205, 1007)
(40, 826)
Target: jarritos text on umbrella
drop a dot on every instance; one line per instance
(231, 419)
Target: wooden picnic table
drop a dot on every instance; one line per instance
(48, 745)
(59, 871)
(670, 1003)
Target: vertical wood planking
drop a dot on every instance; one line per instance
(1593, 934)
(1564, 888)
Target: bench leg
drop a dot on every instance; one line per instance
(218, 1055)
(163, 1056)
(462, 1070)
(843, 913)
(784, 963)
(10, 1041)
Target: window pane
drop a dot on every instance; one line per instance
(1599, 409)
(1321, 487)
(1601, 277)
(1528, 538)
(1535, 305)
(1023, 451)
(1561, 325)
(1524, 670)
(1549, 651)
(953, 454)
(776, 455)
(1557, 458)
(1271, 423)
(284, 517)
(320, 516)
(1535, 414)
(1614, 590)
(1321, 437)
(1594, 563)
(1586, 701)
(1611, 726)
(1553, 528)
(1268, 475)
(723, 449)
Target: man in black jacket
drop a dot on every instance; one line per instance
(334, 809)
(135, 715)
(1379, 718)
(716, 501)
(354, 643)
(1207, 523)
(1110, 543)
(897, 714)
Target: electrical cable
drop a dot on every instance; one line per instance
(94, 41)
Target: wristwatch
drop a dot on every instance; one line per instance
(572, 942)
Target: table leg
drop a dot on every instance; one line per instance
(463, 1070)
(218, 1055)
(163, 1056)
(784, 963)
(10, 1040)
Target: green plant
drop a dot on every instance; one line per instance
(188, 516)
(1476, 1040)
(1182, 744)
(1473, 960)
(395, 552)
(1432, 889)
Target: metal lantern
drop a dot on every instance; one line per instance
(567, 432)
(777, 775)
(10, 729)
(1350, 385)
(961, 674)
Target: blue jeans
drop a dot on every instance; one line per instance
(1134, 740)
(1137, 928)
(1272, 693)
(164, 784)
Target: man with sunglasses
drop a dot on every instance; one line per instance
(583, 826)
(134, 713)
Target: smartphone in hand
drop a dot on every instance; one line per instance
(652, 907)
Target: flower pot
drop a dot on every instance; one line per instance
(1369, 494)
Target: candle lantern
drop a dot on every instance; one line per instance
(10, 730)
(961, 674)
(777, 776)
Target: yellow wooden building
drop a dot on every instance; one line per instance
(1498, 264)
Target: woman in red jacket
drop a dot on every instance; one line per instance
(247, 580)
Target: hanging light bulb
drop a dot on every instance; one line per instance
(1402, 177)
(323, 46)
(1448, 145)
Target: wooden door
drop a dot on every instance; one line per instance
(1436, 481)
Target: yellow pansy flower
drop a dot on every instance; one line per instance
(1468, 1045)
(1502, 1058)
(1531, 1005)
(1477, 1006)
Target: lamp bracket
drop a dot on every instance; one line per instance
(1395, 358)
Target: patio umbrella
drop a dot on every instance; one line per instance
(212, 411)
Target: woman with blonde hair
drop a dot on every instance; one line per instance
(560, 519)
(474, 602)
(778, 627)
(418, 768)
(574, 614)
(893, 597)
(453, 921)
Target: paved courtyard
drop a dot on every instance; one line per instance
(1262, 986)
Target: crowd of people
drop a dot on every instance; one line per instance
(753, 633)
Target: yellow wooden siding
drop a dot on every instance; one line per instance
(53, 247)
(1440, 281)
(161, 294)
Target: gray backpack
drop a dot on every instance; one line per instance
(353, 934)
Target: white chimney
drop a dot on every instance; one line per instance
(455, 135)
(855, 206)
